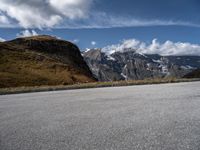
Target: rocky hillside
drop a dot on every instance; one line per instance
(41, 60)
(132, 65)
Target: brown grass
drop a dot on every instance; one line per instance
(26, 68)
(91, 85)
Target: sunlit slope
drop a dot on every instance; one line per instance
(41, 60)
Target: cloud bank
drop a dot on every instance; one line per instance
(68, 14)
(43, 13)
(27, 33)
(155, 47)
(4, 19)
(103, 20)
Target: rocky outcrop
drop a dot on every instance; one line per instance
(103, 68)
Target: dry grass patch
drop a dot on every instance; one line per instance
(91, 85)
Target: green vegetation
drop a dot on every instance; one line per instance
(91, 85)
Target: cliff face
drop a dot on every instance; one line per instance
(130, 65)
(41, 60)
(101, 66)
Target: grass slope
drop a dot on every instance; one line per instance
(21, 65)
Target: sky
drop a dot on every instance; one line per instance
(161, 26)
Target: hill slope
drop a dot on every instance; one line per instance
(41, 60)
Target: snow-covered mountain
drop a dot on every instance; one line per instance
(129, 64)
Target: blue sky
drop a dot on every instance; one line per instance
(98, 23)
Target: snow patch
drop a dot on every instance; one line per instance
(164, 69)
(187, 67)
(109, 57)
(148, 66)
(87, 50)
(125, 66)
(142, 55)
(156, 61)
(123, 75)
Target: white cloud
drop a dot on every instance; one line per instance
(72, 9)
(2, 40)
(75, 41)
(4, 19)
(27, 33)
(120, 21)
(93, 43)
(171, 48)
(125, 45)
(103, 20)
(44, 13)
(155, 47)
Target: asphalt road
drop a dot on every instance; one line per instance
(143, 117)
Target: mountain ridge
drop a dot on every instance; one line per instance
(131, 65)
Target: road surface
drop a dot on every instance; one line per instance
(165, 116)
